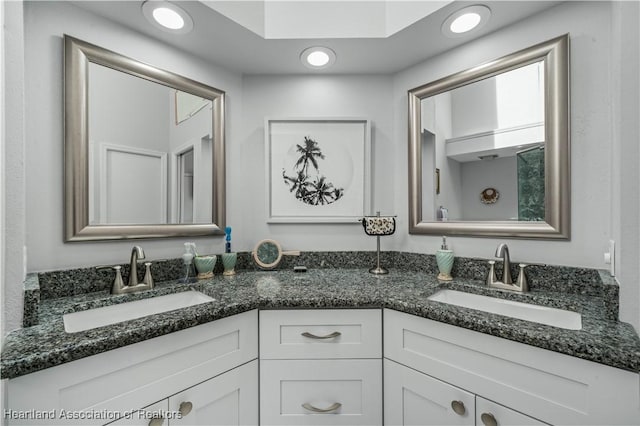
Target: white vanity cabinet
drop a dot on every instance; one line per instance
(413, 398)
(321, 367)
(188, 363)
(230, 399)
(225, 400)
(523, 380)
(489, 413)
(147, 416)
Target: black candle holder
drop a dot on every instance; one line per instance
(378, 226)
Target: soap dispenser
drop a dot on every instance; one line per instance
(187, 259)
(444, 259)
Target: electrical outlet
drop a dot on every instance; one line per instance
(610, 258)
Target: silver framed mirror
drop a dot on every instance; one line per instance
(438, 156)
(144, 149)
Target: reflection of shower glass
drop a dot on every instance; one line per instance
(530, 169)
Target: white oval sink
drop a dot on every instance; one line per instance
(535, 313)
(99, 317)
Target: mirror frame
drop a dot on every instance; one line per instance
(557, 224)
(78, 55)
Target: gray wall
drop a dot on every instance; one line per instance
(590, 118)
(313, 96)
(13, 167)
(45, 24)
(593, 165)
(625, 158)
(479, 175)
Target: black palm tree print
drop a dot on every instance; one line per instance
(311, 190)
(310, 153)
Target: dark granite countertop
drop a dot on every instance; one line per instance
(46, 344)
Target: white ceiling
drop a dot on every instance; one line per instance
(223, 41)
(286, 19)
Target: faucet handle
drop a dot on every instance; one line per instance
(148, 279)
(491, 276)
(522, 282)
(118, 283)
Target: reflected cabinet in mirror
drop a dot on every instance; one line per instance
(144, 149)
(489, 148)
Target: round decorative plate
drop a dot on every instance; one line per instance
(489, 196)
(267, 254)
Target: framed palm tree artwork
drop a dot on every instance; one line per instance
(318, 169)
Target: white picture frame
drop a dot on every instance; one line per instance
(318, 170)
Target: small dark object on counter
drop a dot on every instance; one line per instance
(299, 269)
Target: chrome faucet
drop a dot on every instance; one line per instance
(502, 251)
(133, 285)
(138, 253)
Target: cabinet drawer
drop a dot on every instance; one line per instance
(321, 392)
(317, 334)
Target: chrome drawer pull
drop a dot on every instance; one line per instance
(185, 408)
(488, 419)
(458, 407)
(310, 407)
(156, 421)
(328, 336)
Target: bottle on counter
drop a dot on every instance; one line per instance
(444, 259)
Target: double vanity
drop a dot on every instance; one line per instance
(329, 343)
(327, 346)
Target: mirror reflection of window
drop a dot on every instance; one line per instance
(472, 134)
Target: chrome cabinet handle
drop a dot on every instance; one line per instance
(329, 409)
(328, 336)
(458, 407)
(156, 421)
(488, 419)
(185, 408)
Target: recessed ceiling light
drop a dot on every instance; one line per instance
(167, 16)
(462, 23)
(464, 20)
(318, 57)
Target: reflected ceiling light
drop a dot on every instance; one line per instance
(167, 16)
(318, 57)
(465, 20)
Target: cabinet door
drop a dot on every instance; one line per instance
(229, 399)
(413, 398)
(489, 413)
(153, 415)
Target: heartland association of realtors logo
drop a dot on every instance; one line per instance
(88, 414)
